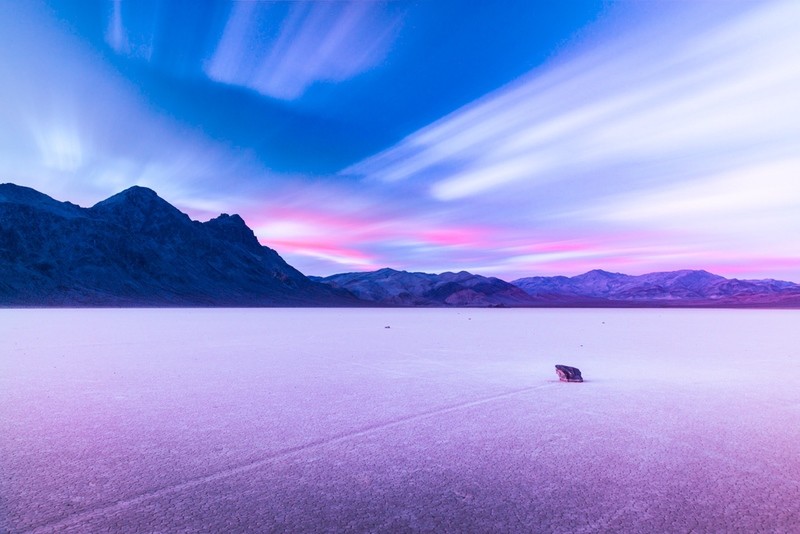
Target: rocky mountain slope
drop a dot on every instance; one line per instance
(400, 288)
(136, 249)
(676, 288)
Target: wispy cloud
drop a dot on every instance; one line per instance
(731, 197)
(75, 129)
(674, 100)
(668, 145)
(317, 42)
(666, 139)
(325, 231)
(61, 145)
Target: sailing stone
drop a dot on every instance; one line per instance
(568, 374)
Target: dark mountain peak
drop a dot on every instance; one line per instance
(138, 191)
(684, 276)
(136, 196)
(227, 221)
(135, 248)
(598, 274)
(141, 209)
(701, 273)
(599, 277)
(17, 193)
(460, 277)
(394, 275)
(703, 282)
(234, 219)
(771, 282)
(25, 196)
(453, 273)
(233, 229)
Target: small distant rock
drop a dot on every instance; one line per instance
(568, 374)
(387, 326)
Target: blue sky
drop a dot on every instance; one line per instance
(506, 138)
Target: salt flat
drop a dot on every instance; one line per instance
(305, 420)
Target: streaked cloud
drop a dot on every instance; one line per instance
(316, 42)
(60, 146)
(115, 33)
(663, 136)
(742, 194)
(687, 132)
(671, 100)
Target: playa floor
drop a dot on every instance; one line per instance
(447, 421)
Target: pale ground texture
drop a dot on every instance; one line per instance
(138, 421)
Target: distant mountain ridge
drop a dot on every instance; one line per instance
(389, 287)
(674, 288)
(596, 288)
(136, 249)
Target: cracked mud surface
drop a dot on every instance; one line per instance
(450, 421)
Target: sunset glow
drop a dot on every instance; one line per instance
(537, 140)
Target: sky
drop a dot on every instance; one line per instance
(509, 139)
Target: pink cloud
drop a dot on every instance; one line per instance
(355, 238)
(329, 251)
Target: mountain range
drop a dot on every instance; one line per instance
(674, 288)
(136, 249)
(400, 288)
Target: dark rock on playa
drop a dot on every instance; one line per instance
(568, 374)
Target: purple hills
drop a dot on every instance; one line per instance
(667, 289)
(593, 289)
(400, 288)
(136, 249)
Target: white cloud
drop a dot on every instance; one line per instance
(317, 42)
(677, 99)
(737, 196)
